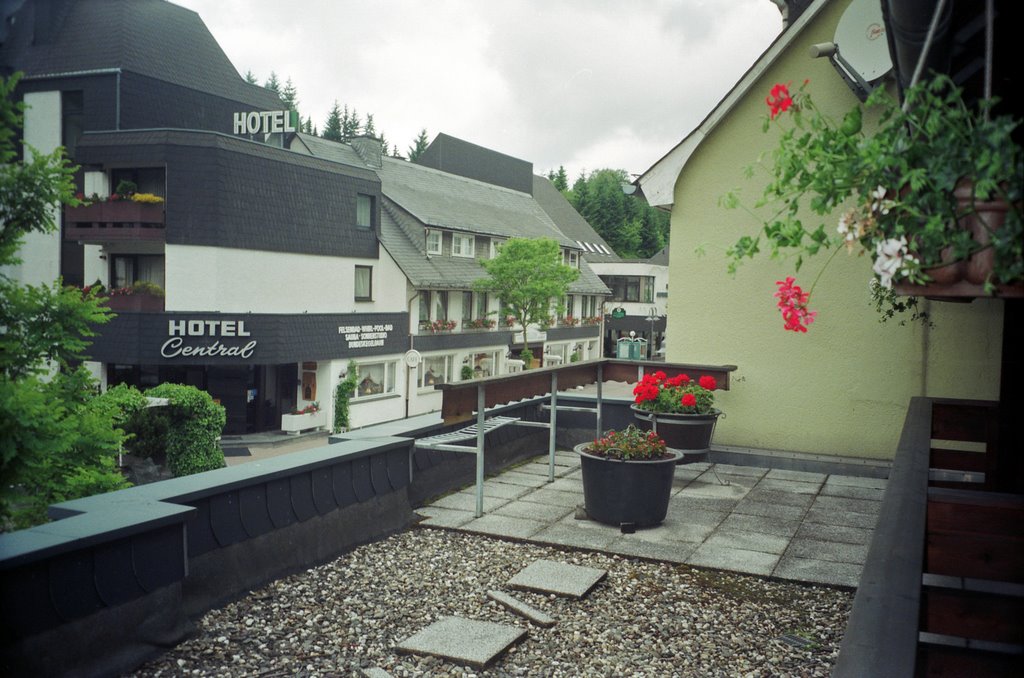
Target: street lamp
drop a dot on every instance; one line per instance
(652, 317)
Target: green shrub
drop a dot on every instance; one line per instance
(467, 373)
(194, 424)
(526, 355)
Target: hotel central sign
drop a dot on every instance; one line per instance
(266, 122)
(179, 330)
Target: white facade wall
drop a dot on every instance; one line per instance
(635, 269)
(41, 251)
(254, 281)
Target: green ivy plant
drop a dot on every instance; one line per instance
(343, 393)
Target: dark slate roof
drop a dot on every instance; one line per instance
(456, 156)
(571, 222)
(450, 201)
(150, 37)
(661, 258)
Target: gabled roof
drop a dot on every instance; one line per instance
(658, 183)
(149, 37)
(571, 222)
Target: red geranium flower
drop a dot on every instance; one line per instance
(708, 382)
(779, 100)
(689, 400)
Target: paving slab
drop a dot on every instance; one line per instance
(831, 489)
(375, 672)
(818, 571)
(566, 485)
(563, 579)
(770, 496)
(522, 609)
(686, 504)
(748, 541)
(802, 476)
(760, 508)
(858, 481)
(546, 495)
(730, 469)
(467, 502)
(498, 490)
(444, 517)
(763, 524)
(790, 485)
(504, 526)
(816, 514)
(837, 533)
(674, 530)
(548, 513)
(465, 641)
(708, 486)
(582, 536)
(672, 552)
(734, 560)
(843, 504)
(831, 551)
(522, 479)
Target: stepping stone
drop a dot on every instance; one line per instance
(548, 576)
(376, 672)
(521, 608)
(465, 641)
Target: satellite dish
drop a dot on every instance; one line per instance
(860, 38)
(413, 358)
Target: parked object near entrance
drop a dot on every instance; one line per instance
(627, 478)
(679, 410)
(309, 417)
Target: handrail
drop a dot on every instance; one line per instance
(882, 633)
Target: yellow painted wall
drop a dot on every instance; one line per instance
(843, 387)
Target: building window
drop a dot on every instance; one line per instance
(574, 258)
(128, 269)
(441, 305)
(462, 245)
(376, 379)
(483, 364)
(570, 306)
(424, 308)
(496, 247)
(364, 283)
(364, 211)
(467, 306)
(481, 305)
(433, 242)
(437, 369)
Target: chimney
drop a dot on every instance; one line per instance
(369, 150)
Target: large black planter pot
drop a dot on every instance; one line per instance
(688, 433)
(626, 493)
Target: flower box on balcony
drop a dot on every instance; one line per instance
(119, 212)
(294, 423)
(136, 302)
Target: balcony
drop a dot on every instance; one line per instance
(137, 302)
(121, 221)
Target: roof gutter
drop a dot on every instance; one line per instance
(87, 73)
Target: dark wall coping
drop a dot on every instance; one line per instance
(81, 523)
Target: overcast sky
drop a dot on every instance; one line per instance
(582, 83)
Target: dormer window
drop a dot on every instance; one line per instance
(574, 258)
(496, 247)
(462, 245)
(433, 242)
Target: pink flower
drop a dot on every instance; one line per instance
(793, 305)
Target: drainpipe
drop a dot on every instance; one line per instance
(411, 340)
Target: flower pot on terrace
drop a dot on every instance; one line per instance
(634, 493)
(688, 433)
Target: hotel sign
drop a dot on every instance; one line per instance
(190, 338)
(266, 122)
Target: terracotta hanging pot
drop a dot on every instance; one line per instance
(982, 219)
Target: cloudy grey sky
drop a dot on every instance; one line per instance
(582, 83)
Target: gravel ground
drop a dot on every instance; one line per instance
(643, 619)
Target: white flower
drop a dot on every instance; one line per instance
(890, 260)
(878, 193)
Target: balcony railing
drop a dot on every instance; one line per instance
(114, 221)
(136, 303)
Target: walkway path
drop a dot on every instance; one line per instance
(791, 525)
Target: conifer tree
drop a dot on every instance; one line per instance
(272, 83)
(332, 127)
(250, 77)
(419, 145)
(290, 96)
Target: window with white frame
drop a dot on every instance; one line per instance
(496, 246)
(441, 305)
(481, 305)
(484, 364)
(467, 306)
(424, 316)
(436, 369)
(462, 245)
(433, 242)
(574, 258)
(364, 283)
(376, 379)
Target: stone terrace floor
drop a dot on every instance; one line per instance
(790, 525)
